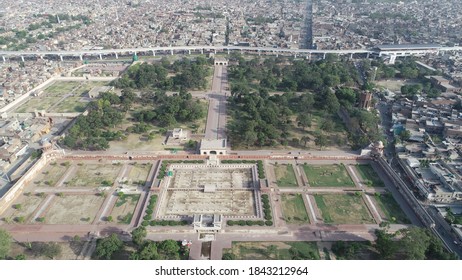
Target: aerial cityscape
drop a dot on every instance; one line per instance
(231, 130)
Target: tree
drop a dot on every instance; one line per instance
(20, 257)
(228, 256)
(415, 242)
(320, 140)
(148, 251)
(385, 244)
(405, 135)
(327, 125)
(5, 243)
(107, 246)
(169, 249)
(138, 235)
(331, 102)
(271, 250)
(50, 250)
(305, 139)
(304, 120)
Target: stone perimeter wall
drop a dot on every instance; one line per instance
(18, 188)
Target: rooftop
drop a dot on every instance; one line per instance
(213, 144)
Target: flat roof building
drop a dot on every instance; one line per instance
(213, 147)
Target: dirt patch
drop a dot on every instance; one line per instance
(23, 207)
(94, 175)
(73, 209)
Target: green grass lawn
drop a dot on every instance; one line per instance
(328, 176)
(343, 209)
(61, 87)
(94, 175)
(294, 209)
(370, 177)
(285, 175)
(391, 209)
(133, 198)
(71, 104)
(300, 250)
(124, 208)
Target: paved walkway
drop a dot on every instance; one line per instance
(216, 116)
(313, 219)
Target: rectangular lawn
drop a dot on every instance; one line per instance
(124, 207)
(24, 207)
(293, 209)
(369, 175)
(73, 209)
(94, 175)
(50, 175)
(343, 209)
(138, 174)
(391, 209)
(328, 176)
(285, 175)
(50, 96)
(301, 250)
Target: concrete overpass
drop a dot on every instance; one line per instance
(100, 53)
(81, 54)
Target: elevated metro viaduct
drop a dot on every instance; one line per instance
(392, 51)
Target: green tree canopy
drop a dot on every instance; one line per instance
(138, 235)
(5, 243)
(107, 246)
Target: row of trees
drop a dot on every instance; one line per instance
(408, 244)
(411, 244)
(296, 75)
(188, 74)
(112, 246)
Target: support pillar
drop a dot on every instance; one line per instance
(351, 56)
(392, 59)
(153, 53)
(100, 57)
(81, 57)
(117, 56)
(228, 51)
(295, 55)
(367, 55)
(215, 51)
(202, 51)
(189, 51)
(324, 56)
(22, 58)
(171, 52)
(4, 59)
(61, 57)
(259, 52)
